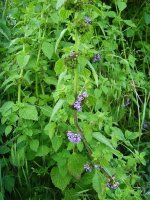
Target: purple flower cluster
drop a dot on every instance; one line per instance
(87, 20)
(73, 137)
(96, 58)
(113, 186)
(145, 126)
(77, 104)
(72, 54)
(126, 103)
(87, 167)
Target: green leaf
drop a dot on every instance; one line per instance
(93, 8)
(22, 60)
(121, 5)
(58, 106)
(147, 18)
(28, 112)
(101, 138)
(8, 130)
(1, 196)
(60, 3)
(94, 73)
(50, 129)
(7, 106)
(8, 182)
(58, 180)
(130, 23)
(34, 144)
(99, 184)
(43, 150)
(59, 66)
(56, 143)
(131, 135)
(4, 34)
(59, 39)
(118, 133)
(4, 149)
(76, 164)
(47, 49)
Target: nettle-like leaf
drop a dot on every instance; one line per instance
(121, 5)
(8, 182)
(60, 3)
(76, 164)
(56, 142)
(34, 144)
(99, 183)
(58, 179)
(48, 49)
(101, 138)
(43, 150)
(22, 60)
(28, 112)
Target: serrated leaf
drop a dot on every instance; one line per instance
(47, 49)
(59, 66)
(130, 23)
(4, 149)
(8, 129)
(43, 150)
(22, 60)
(131, 135)
(60, 3)
(121, 5)
(56, 143)
(76, 164)
(118, 133)
(7, 106)
(58, 180)
(34, 144)
(4, 34)
(94, 73)
(59, 39)
(8, 182)
(99, 183)
(56, 108)
(28, 112)
(50, 129)
(101, 138)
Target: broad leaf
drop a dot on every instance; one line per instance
(58, 106)
(43, 151)
(28, 112)
(47, 49)
(76, 164)
(22, 60)
(58, 180)
(34, 144)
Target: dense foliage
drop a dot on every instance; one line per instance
(74, 107)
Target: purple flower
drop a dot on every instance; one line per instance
(73, 137)
(96, 58)
(113, 186)
(87, 20)
(87, 168)
(80, 98)
(145, 125)
(72, 54)
(97, 166)
(126, 103)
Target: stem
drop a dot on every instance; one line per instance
(19, 85)
(82, 135)
(5, 7)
